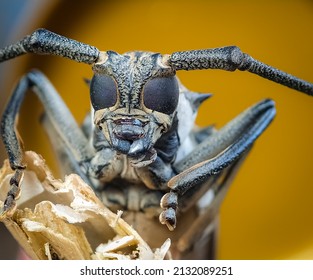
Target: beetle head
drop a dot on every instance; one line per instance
(135, 97)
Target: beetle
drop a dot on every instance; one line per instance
(138, 147)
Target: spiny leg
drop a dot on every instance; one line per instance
(234, 140)
(232, 58)
(60, 117)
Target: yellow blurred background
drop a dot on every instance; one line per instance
(268, 211)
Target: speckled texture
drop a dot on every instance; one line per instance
(230, 59)
(220, 58)
(43, 41)
(131, 71)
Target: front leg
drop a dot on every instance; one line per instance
(156, 175)
(221, 150)
(59, 116)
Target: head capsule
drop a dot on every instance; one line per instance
(135, 97)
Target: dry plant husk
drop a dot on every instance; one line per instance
(57, 219)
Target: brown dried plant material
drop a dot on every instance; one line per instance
(66, 220)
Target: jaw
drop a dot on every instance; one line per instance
(133, 135)
(135, 141)
(131, 140)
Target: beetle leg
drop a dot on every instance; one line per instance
(64, 154)
(205, 226)
(233, 140)
(60, 117)
(160, 171)
(232, 58)
(156, 175)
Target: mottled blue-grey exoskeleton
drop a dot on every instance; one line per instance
(139, 148)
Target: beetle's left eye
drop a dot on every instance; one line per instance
(103, 92)
(161, 94)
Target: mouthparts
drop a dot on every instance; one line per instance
(130, 136)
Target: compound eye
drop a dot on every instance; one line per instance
(103, 92)
(161, 94)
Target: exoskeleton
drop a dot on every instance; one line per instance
(139, 148)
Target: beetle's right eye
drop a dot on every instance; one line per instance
(103, 92)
